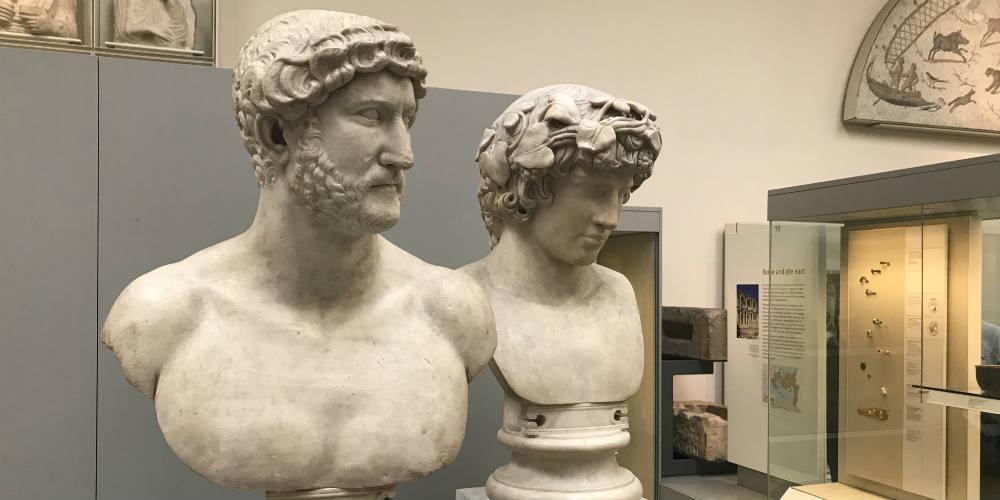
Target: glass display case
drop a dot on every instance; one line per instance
(882, 305)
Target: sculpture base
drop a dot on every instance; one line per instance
(471, 494)
(40, 38)
(564, 452)
(475, 494)
(155, 48)
(377, 493)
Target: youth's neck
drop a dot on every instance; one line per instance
(520, 265)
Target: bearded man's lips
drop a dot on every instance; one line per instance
(389, 187)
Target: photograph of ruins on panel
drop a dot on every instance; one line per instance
(748, 309)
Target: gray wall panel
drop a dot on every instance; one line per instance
(639, 219)
(945, 182)
(48, 217)
(441, 224)
(174, 179)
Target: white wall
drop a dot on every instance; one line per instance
(748, 93)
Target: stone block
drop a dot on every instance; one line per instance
(701, 430)
(694, 332)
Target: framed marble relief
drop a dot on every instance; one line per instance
(53, 22)
(157, 28)
(171, 30)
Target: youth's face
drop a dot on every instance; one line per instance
(584, 211)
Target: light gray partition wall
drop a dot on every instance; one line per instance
(174, 179)
(441, 224)
(48, 257)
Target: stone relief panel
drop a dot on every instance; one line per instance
(159, 23)
(40, 18)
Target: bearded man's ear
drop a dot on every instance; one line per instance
(273, 137)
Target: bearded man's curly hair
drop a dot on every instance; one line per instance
(292, 64)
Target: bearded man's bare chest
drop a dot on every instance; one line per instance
(327, 384)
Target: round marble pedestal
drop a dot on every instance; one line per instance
(564, 452)
(377, 493)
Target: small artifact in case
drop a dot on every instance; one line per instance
(988, 377)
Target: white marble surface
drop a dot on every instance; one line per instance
(471, 494)
(707, 487)
(309, 352)
(829, 491)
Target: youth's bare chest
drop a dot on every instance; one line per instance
(585, 352)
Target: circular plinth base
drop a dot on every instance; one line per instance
(378, 493)
(563, 452)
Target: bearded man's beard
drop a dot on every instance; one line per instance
(321, 188)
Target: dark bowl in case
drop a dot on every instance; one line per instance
(988, 377)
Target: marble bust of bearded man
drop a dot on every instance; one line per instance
(308, 356)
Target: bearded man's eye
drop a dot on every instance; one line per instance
(371, 114)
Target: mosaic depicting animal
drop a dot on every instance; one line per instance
(962, 101)
(995, 85)
(931, 61)
(952, 42)
(992, 28)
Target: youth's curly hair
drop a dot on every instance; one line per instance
(548, 131)
(292, 64)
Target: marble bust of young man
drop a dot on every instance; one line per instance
(308, 356)
(556, 168)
